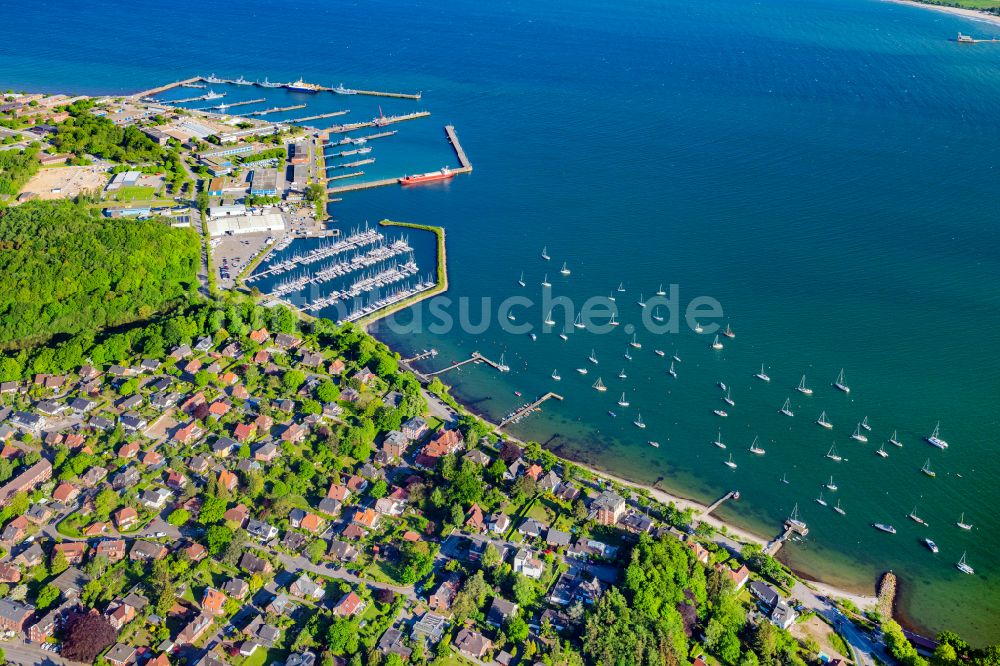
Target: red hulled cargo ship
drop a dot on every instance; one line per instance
(430, 177)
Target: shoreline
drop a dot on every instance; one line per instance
(972, 14)
(863, 600)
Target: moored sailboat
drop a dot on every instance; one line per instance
(823, 422)
(755, 448)
(545, 253)
(565, 269)
(830, 485)
(839, 384)
(839, 510)
(638, 421)
(819, 500)
(962, 566)
(718, 441)
(729, 463)
(881, 452)
(894, 441)
(802, 388)
(858, 436)
(786, 408)
(915, 518)
(555, 375)
(622, 402)
(520, 280)
(599, 386)
(716, 345)
(962, 524)
(671, 371)
(934, 440)
(833, 455)
(763, 376)
(926, 469)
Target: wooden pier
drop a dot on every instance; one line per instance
(521, 412)
(319, 116)
(354, 174)
(453, 139)
(476, 357)
(792, 527)
(732, 494)
(430, 353)
(164, 88)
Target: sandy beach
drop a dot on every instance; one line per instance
(972, 14)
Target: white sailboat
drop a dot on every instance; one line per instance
(656, 314)
(622, 375)
(635, 343)
(961, 522)
(612, 321)
(578, 322)
(638, 421)
(622, 402)
(655, 445)
(840, 385)
(592, 358)
(582, 371)
(755, 448)
(628, 356)
(962, 566)
(675, 356)
(564, 270)
(820, 500)
(698, 328)
(728, 398)
(720, 413)
(621, 287)
(762, 375)
(934, 440)
(915, 518)
(864, 424)
(926, 469)
(564, 336)
(823, 422)
(555, 375)
(830, 485)
(501, 366)
(858, 436)
(599, 386)
(882, 452)
(718, 441)
(611, 297)
(894, 441)
(545, 253)
(786, 409)
(717, 345)
(641, 302)
(833, 455)
(729, 332)
(549, 321)
(671, 371)
(802, 388)
(660, 292)
(839, 510)
(729, 463)
(659, 352)
(545, 281)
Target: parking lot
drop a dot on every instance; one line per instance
(233, 253)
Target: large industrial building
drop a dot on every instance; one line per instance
(265, 182)
(233, 225)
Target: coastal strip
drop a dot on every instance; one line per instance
(973, 14)
(442, 274)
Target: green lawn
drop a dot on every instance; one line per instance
(135, 193)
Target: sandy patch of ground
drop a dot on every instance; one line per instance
(66, 181)
(819, 631)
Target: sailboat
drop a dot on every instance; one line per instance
(962, 566)
(549, 321)
(857, 434)
(833, 455)
(675, 356)
(729, 463)
(931, 545)
(716, 345)
(894, 440)
(830, 485)
(839, 510)
(612, 321)
(786, 409)
(720, 412)
(501, 366)
(881, 452)
(638, 421)
(628, 356)
(794, 520)
(820, 500)
(823, 422)
(755, 448)
(728, 399)
(582, 371)
(611, 297)
(864, 424)
(802, 388)
(545, 253)
(564, 270)
(659, 352)
(915, 518)
(592, 358)
(961, 522)
(671, 371)
(721, 385)
(555, 375)
(718, 441)
(934, 440)
(622, 375)
(784, 479)
(520, 280)
(599, 386)
(926, 469)
(840, 385)
(621, 287)
(545, 281)
(655, 445)
(656, 314)
(622, 402)
(698, 328)
(729, 332)
(578, 322)
(564, 336)
(762, 375)
(635, 343)
(660, 292)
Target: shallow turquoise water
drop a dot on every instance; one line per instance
(825, 170)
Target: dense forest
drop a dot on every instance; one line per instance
(85, 133)
(64, 270)
(16, 168)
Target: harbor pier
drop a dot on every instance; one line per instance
(164, 88)
(525, 410)
(732, 494)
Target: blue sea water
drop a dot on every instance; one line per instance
(825, 170)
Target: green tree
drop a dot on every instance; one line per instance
(316, 550)
(46, 597)
(292, 380)
(179, 517)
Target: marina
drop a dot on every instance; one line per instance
(274, 109)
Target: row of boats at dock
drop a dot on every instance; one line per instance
(366, 283)
(358, 238)
(294, 86)
(337, 269)
(860, 432)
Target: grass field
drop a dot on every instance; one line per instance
(135, 193)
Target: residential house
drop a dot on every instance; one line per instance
(471, 643)
(147, 550)
(194, 629)
(306, 588)
(213, 601)
(500, 611)
(74, 551)
(442, 598)
(26, 481)
(446, 442)
(14, 614)
(527, 564)
(236, 588)
(350, 604)
(228, 480)
(112, 549)
(261, 530)
(253, 564)
(266, 452)
(607, 508)
(367, 518)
